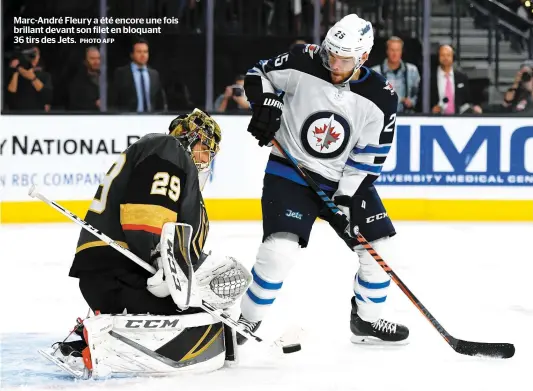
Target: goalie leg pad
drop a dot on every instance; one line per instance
(371, 283)
(275, 258)
(146, 345)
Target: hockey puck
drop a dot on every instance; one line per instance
(292, 348)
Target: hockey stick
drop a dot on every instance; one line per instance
(218, 314)
(496, 350)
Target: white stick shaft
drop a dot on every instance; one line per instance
(124, 251)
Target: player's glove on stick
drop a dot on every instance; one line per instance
(266, 118)
(348, 230)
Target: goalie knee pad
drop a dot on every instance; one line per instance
(371, 283)
(276, 256)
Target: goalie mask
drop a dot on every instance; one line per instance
(200, 135)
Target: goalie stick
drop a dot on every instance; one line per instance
(469, 348)
(218, 314)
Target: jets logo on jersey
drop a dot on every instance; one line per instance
(325, 134)
(389, 87)
(311, 49)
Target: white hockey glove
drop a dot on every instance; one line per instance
(157, 284)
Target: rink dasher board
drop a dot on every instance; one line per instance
(460, 169)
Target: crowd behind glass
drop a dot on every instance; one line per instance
(136, 87)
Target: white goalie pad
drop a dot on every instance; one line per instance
(148, 345)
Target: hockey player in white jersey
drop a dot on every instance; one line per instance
(337, 118)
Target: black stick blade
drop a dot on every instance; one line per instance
(493, 350)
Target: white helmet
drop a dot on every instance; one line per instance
(349, 37)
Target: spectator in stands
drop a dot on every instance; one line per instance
(233, 98)
(403, 76)
(29, 87)
(137, 87)
(450, 89)
(297, 42)
(518, 98)
(84, 89)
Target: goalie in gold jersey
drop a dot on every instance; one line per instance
(156, 180)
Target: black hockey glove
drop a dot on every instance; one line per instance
(266, 118)
(348, 230)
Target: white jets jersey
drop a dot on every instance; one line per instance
(340, 133)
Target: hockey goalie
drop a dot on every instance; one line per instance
(150, 202)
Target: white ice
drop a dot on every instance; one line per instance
(474, 278)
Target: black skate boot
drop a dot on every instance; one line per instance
(250, 326)
(69, 355)
(378, 332)
(72, 348)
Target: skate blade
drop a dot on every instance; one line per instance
(77, 373)
(369, 340)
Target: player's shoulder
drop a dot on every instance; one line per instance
(304, 58)
(306, 55)
(158, 141)
(165, 146)
(374, 87)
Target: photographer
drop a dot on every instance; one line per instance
(233, 98)
(29, 87)
(518, 98)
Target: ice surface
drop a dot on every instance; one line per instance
(474, 278)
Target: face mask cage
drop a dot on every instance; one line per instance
(198, 127)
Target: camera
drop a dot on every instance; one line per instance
(237, 90)
(25, 57)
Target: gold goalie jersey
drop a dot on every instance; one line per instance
(153, 182)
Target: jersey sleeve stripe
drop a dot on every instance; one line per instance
(143, 217)
(366, 168)
(97, 243)
(370, 149)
